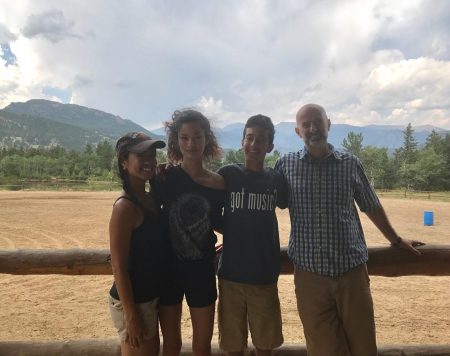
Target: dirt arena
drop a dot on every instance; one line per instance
(412, 310)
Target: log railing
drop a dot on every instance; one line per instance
(110, 347)
(383, 261)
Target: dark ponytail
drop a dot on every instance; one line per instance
(123, 175)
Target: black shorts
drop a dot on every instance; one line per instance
(194, 279)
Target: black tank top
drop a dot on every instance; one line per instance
(145, 260)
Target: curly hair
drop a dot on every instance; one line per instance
(187, 116)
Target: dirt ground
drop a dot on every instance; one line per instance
(408, 310)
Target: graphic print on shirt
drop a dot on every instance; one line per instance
(253, 201)
(190, 226)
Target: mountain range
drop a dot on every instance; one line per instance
(286, 140)
(43, 123)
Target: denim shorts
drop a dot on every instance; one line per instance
(147, 310)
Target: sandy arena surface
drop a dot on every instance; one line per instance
(412, 310)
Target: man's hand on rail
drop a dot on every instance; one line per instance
(409, 245)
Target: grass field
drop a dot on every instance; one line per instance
(408, 309)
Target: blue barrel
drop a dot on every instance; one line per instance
(428, 218)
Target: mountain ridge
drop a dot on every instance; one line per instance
(286, 140)
(44, 123)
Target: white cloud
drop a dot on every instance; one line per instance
(410, 86)
(218, 113)
(6, 35)
(51, 25)
(366, 61)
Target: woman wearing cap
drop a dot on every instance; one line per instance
(192, 198)
(136, 242)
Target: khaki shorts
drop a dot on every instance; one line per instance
(147, 310)
(336, 313)
(244, 306)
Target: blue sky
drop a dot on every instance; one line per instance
(367, 62)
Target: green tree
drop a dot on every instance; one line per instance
(10, 166)
(55, 152)
(375, 160)
(441, 146)
(406, 157)
(446, 155)
(429, 170)
(105, 154)
(88, 149)
(353, 143)
(271, 159)
(233, 156)
(434, 141)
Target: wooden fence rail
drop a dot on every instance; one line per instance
(110, 347)
(383, 261)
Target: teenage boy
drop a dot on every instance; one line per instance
(250, 263)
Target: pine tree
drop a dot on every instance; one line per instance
(353, 143)
(406, 156)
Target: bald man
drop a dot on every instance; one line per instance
(327, 244)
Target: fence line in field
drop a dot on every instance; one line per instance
(109, 185)
(63, 184)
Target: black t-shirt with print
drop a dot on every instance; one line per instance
(251, 244)
(192, 212)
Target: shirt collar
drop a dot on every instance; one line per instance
(333, 153)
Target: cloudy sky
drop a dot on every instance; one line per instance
(365, 61)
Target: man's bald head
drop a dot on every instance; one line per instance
(313, 126)
(309, 109)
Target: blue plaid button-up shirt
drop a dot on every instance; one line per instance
(326, 233)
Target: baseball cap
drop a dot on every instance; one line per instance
(137, 142)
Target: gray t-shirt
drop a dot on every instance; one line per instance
(251, 244)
